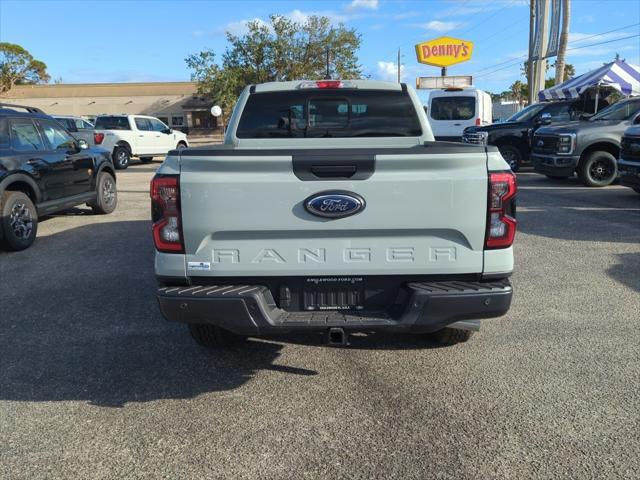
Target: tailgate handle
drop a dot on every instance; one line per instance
(334, 171)
(333, 164)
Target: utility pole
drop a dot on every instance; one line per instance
(564, 38)
(532, 17)
(398, 64)
(541, 64)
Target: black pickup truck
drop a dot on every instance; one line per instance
(513, 136)
(589, 147)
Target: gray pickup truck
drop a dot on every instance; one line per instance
(330, 208)
(588, 147)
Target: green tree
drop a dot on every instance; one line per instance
(278, 51)
(17, 67)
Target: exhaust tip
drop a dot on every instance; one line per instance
(337, 337)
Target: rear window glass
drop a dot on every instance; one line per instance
(453, 108)
(112, 123)
(329, 113)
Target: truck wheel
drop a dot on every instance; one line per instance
(210, 336)
(450, 336)
(146, 159)
(181, 146)
(599, 169)
(121, 157)
(19, 220)
(512, 156)
(106, 194)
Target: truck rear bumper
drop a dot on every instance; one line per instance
(251, 310)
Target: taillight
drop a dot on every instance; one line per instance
(327, 84)
(478, 122)
(98, 138)
(501, 219)
(165, 214)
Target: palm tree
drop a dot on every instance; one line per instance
(564, 37)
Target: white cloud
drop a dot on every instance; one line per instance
(237, 28)
(363, 5)
(301, 17)
(388, 71)
(438, 26)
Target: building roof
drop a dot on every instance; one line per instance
(102, 89)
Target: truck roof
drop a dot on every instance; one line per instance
(296, 84)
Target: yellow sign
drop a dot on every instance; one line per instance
(444, 51)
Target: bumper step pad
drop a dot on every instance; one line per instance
(251, 310)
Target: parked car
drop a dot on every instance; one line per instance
(127, 136)
(323, 211)
(451, 110)
(44, 169)
(629, 162)
(589, 147)
(513, 137)
(78, 127)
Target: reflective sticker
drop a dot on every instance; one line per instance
(199, 266)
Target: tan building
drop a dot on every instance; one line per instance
(175, 103)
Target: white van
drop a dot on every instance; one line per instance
(451, 110)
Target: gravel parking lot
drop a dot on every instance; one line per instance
(95, 384)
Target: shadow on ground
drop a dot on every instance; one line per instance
(80, 322)
(627, 271)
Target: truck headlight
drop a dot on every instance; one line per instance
(566, 143)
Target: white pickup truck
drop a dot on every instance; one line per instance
(127, 136)
(330, 208)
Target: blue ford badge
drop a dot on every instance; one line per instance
(334, 204)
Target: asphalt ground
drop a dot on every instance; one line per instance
(95, 384)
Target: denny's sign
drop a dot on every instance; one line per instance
(444, 51)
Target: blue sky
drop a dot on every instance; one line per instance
(121, 41)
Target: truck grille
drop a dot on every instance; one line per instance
(545, 143)
(630, 148)
(477, 138)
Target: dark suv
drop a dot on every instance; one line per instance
(513, 137)
(588, 147)
(44, 169)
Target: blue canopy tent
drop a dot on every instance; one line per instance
(618, 75)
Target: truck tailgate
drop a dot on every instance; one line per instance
(243, 213)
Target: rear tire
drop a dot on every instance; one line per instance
(512, 156)
(450, 336)
(106, 194)
(599, 169)
(181, 146)
(18, 220)
(121, 157)
(212, 337)
(146, 159)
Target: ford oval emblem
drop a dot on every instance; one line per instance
(334, 204)
(540, 143)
